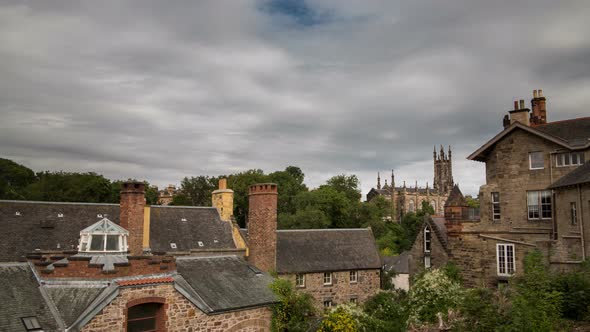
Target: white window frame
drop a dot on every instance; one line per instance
(427, 239)
(427, 262)
(541, 195)
(531, 160)
(568, 159)
(496, 210)
(573, 213)
(505, 259)
(327, 278)
(300, 280)
(328, 303)
(354, 276)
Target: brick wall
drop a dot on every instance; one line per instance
(180, 314)
(262, 226)
(341, 290)
(131, 218)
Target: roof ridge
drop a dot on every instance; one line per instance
(560, 121)
(182, 207)
(54, 203)
(322, 229)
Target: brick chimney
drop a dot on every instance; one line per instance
(539, 107)
(223, 200)
(262, 225)
(520, 113)
(131, 218)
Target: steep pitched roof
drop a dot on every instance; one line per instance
(571, 134)
(28, 225)
(317, 250)
(456, 197)
(72, 300)
(398, 264)
(20, 296)
(223, 283)
(578, 176)
(437, 224)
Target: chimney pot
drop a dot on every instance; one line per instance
(516, 104)
(534, 93)
(521, 104)
(223, 183)
(540, 93)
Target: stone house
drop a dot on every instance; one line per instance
(333, 265)
(406, 199)
(398, 269)
(535, 197)
(126, 267)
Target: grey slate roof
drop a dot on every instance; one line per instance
(39, 227)
(71, 300)
(316, 250)
(225, 283)
(20, 297)
(456, 197)
(202, 224)
(579, 175)
(439, 228)
(574, 131)
(398, 264)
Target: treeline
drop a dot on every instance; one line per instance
(334, 204)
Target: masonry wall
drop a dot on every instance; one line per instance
(180, 314)
(341, 290)
(569, 234)
(438, 255)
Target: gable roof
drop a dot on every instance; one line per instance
(20, 296)
(579, 175)
(573, 134)
(437, 225)
(316, 250)
(398, 264)
(29, 225)
(456, 197)
(223, 283)
(71, 300)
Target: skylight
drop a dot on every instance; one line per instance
(103, 236)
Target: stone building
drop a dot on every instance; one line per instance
(406, 199)
(166, 195)
(127, 266)
(536, 196)
(333, 265)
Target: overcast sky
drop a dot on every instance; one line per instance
(159, 90)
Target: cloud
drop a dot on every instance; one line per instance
(159, 90)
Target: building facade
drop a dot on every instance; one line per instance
(407, 199)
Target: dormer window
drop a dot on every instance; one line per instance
(102, 237)
(427, 239)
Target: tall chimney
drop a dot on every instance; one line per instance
(223, 200)
(520, 113)
(538, 105)
(262, 225)
(131, 217)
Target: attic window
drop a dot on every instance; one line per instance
(31, 324)
(172, 245)
(103, 236)
(201, 244)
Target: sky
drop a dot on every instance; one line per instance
(160, 90)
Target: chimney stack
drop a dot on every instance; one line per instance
(262, 225)
(132, 206)
(223, 200)
(539, 107)
(520, 114)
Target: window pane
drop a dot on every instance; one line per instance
(510, 259)
(574, 158)
(112, 242)
(148, 324)
(536, 160)
(581, 158)
(546, 204)
(501, 260)
(143, 310)
(559, 160)
(533, 204)
(97, 243)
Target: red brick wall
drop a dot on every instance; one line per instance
(262, 226)
(131, 218)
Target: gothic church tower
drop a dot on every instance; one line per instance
(443, 171)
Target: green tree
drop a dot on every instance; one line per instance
(472, 202)
(295, 310)
(70, 187)
(198, 189)
(334, 204)
(239, 183)
(306, 218)
(290, 184)
(349, 185)
(343, 318)
(13, 178)
(386, 312)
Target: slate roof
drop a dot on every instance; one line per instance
(409, 190)
(571, 134)
(20, 297)
(224, 283)
(316, 250)
(38, 225)
(579, 175)
(202, 224)
(439, 228)
(71, 300)
(398, 264)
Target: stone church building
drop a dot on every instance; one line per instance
(407, 199)
(536, 197)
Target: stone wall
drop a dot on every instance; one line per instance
(341, 290)
(568, 234)
(438, 255)
(180, 314)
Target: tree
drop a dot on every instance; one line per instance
(290, 184)
(295, 310)
(306, 218)
(334, 204)
(386, 311)
(349, 185)
(240, 184)
(343, 318)
(198, 189)
(13, 178)
(70, 187)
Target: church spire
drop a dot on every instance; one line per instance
(449, 152)
(378, 181)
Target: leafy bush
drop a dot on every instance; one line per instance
(343, 318)
(433, 293)
(295, 311)
(482, 310)
(575, 288)
(386, 311)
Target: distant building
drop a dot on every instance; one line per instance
(166, 195)
(398, 269)
(406, 199)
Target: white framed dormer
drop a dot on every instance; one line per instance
(505, 259)
(103, 236)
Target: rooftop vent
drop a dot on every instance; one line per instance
(31, 323)
(60, 215)
(99, 215)
(183, 219)
(201, 244)
(17, 213)
(173, 245)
